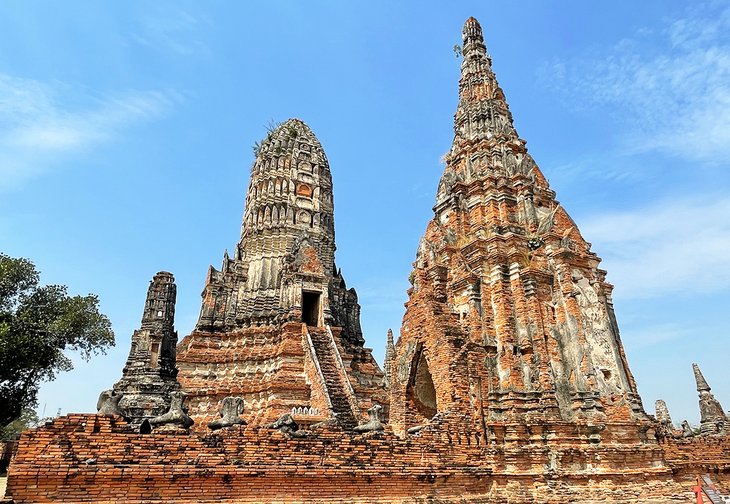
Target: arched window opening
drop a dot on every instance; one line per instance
(421, 392)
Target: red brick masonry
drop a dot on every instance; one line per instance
(85, 458)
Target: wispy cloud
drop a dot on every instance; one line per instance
(39, 122)
(664, 248)
(601, 167)
(175, 31)
(669, 90)
(636, 338)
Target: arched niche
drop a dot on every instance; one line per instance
(145, 427)
(421, 392)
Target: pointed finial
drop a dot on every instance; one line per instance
(702, 385)
(472, 30)
(389, 356)
(662, 412)
(473, 40)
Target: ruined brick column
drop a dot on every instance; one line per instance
(712, 417)
(149, 375)
(389, 355)
(509, 316)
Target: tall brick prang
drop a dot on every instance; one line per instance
(509, 316)
(278, 325)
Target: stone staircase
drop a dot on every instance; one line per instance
(334, 376)
(710, 490)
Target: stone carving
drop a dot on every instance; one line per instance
(176, 415)
(108, 403)
(230, 410)
(286, 425)
(598, 333)
(547, 222)
(373, 423)
(687, 430)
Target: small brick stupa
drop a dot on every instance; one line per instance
(149, 376)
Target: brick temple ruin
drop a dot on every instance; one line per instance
(508, 381)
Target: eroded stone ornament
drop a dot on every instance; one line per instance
(373, 423)
(712, 417)
(176, 415)
(286, 425)
(108, 403)
(230, 410)
(662, 413)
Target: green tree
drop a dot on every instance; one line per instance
(28, 418)
(37, 324)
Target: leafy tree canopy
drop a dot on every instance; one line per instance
(37, 324)
(28, 418)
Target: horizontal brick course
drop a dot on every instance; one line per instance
(88, 458)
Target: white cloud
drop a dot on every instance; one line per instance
(666, 248)
(174, 31)
(669, 90)
(40, 122)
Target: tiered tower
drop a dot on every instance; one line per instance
(278, 325)
(509, 317)
(283, 267)
(712, 417)
(149, 375)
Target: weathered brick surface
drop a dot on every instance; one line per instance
(85, 458)
(273, 369)
(690, 457)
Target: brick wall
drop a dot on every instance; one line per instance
(85, 458)
(690, 457)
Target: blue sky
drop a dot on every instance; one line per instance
(126, 132)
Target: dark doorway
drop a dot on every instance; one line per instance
(145, 427)
(310, 308)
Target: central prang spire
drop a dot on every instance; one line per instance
(482, 112)
(509, 316)
(484, 134)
